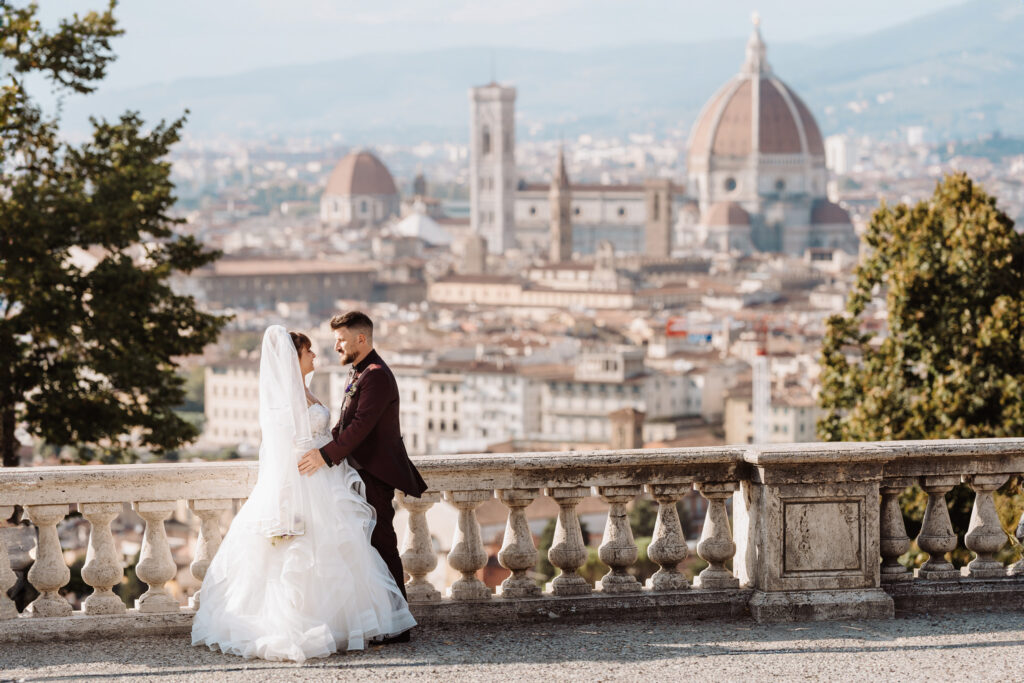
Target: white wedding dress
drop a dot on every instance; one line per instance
(307, 595)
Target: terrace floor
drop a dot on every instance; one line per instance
(962, 646)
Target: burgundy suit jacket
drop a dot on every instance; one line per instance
(369, 433)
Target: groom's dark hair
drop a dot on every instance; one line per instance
(357, 321)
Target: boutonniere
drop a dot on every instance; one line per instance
(350, 390)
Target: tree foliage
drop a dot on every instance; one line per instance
(89, 326)
(950, 360)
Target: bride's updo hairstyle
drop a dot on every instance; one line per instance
(301, 341)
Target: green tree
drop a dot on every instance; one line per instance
(89, 326)
(950, 362)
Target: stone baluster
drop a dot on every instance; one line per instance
(209, 513)
(1017, 569)
(7, 576)
(103, 569)
(567, 552)
(668, 544)
(518, 553)
(467, 554)
(985, 535)
(156, 564)
(716, 546)
(618, 549)
(48, 573)
(937, 537)
(418, 556)
(893, 539)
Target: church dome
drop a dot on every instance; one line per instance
(754, 113)
(825, 212)
(360, 173)
(726, 214)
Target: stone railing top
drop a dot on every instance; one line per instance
(126, 483)
(581, 468)
(880, 451)
(235, 479)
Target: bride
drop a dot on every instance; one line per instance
(295, 576)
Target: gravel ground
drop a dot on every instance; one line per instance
(988, 646)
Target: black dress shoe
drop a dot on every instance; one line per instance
(402, 637)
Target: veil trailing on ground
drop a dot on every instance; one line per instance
(284, 422)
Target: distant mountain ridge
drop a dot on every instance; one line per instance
(958, 72)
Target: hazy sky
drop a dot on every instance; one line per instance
(183, 38)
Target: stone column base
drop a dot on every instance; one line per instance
(857, 603)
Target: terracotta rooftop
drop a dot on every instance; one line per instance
(726, 213)
(227, 267)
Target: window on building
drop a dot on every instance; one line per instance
(656, 210)
(455, 425)
(443, 425)
(533, 210)
(780, 185)
(622, 211)
(363, 206)
(485, 142)
(430, 425)
(576, 211)
(730, 184)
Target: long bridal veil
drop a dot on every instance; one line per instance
(276, 500)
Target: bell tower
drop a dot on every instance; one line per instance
(560, 200)
(492, 165)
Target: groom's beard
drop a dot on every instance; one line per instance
(348, 358)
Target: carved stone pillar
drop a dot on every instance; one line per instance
(209, 512)
(102, 568)
(156, 565)
(985, 536)
(418, 556)
(518, 553)
(716, 546)
(48, 573)
(668, 544)
(893, 539)
(567, 551)
(7, 576)
(618, 549)
(937, 537)
(467, 554)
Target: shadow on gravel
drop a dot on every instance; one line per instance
(554, 642)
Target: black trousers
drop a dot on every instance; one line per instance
(380, 495)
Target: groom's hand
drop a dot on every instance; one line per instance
(310, 462)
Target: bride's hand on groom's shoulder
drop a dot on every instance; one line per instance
(310, 462)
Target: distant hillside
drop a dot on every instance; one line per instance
(959, 72)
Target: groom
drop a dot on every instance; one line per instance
(369, 436)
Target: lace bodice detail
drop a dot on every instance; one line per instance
(320, 424)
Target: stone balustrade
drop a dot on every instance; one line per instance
(815, 533)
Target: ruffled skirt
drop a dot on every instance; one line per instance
(302, 596)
